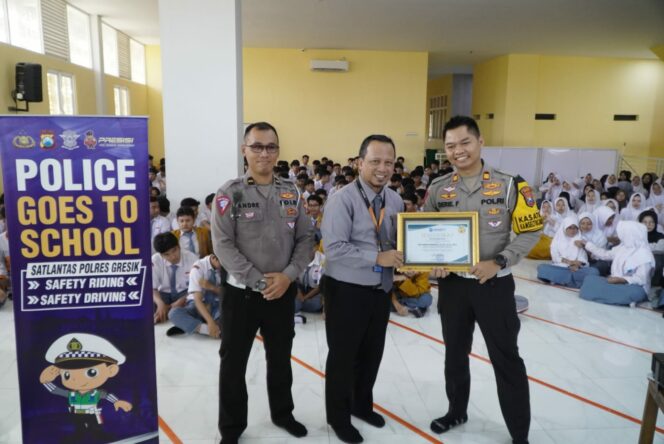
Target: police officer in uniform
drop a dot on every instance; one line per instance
(485, 294)
(264, 241)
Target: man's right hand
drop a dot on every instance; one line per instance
(391, 258)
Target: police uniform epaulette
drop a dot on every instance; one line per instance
(441, 178)
(231, 182)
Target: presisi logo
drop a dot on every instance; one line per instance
(23, 141)
(115, 142)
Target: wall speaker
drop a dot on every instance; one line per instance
(29, 82)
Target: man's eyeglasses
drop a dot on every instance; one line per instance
(258, 148)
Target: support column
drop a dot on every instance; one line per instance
(201, 55)
(98, 64)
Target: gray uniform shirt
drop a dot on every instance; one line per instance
(495, 197)
(253, 233)
(349, 235)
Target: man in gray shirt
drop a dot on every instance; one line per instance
(359, 236)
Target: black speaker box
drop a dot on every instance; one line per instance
(29, 82)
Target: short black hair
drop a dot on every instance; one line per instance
(321, 192)
(322, 171)
(189, 202)
(396, 178)
(309, 182)
(302, 176)
(316, 198)
(185, 211)
(152, 199)
(350, 173)
(209, 198)
(305, 155)
(410, 196)
(164, 242)
(260, 126)
(459, 121)
(295, 162)
(164, 204)
(376, 138)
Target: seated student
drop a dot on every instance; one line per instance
(324, 179)
(309, 298)
(636, 185)
(637, 203)
(300, 180)
(542, 250)
(199, 217)
(158, 223)
(322, 194)
(309, 188)
(314, 210)
(416, 175)
(194, 239)
(170, 274)
(410, 202)
(656, 198)
(592, 202)
(631, 268)
(569, 265)
(621, 197)
(607, 221)
(339, 183)
(590, 232)
(561, 210)
(656, 243)
(412, 294)
(203, 309)
(165, 208)
(350, 176)
(421, 194)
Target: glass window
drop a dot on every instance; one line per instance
(61, 93)
(121, 99)
(109, 38)
(80, 42)
(137, 54)
(25, 29)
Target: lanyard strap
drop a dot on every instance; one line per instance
(377, 222)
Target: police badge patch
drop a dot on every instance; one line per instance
(223, 203)
(527, 194)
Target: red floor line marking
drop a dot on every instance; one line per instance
(594, 335)
(169, 432)
(541, 382)
(378, 407)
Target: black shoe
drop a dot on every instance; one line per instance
(293, 427)
(417, 312)
(372, 418)
(228, 440)
(444, 423)
(520, 441)
(174, 331)
(348, 434)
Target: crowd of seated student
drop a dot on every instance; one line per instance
(601, 235)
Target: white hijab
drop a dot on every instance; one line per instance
(603, 214)
(615, 203)
(632, 213)
(633, 249)
(590, 207)
(655, 199)
(638, 188)
(555, 190)
(562, 246)
(595, 235)
(550, 222)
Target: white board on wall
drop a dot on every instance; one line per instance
(572, 163)
(515, 161)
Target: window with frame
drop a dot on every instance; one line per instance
(25, 29)
(137, 57)
(109, 38)
(80, 41)
(121, 99)
(61, 93)
(437, 116)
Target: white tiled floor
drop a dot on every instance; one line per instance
(570, 371)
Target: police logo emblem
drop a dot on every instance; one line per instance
(69, 140)
(491, 186)
(491, 192)
(495, 223)
(287, 195)
(486, 176)
(47, 139)
(527, 194)
(448, 196)
(90, 141)
(223, 202)
(291, 212)
(23, 141)
(291, 225)
(493, 211)
(449, 189)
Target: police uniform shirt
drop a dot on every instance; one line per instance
(161, 272)
(504, 204)
(201, 269)
(260, 229)
(349, 234)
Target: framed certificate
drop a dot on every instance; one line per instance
(438, 239)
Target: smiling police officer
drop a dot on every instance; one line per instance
(264, 240)
(486, 294)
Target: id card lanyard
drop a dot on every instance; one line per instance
(377, 221)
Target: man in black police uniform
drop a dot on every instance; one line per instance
(264, 240)
(486, 294)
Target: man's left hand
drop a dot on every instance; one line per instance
(277, 284)
(485, 270)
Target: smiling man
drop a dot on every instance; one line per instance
(359, 234)
(485, 294)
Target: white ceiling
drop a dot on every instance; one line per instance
(456, 33)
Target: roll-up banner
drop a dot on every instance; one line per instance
(77, 212)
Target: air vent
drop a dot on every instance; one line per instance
(329, 65)
(477, 116)
(541, 116)
(625, 117)
(489, 116)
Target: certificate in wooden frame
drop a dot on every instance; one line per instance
(439, 225)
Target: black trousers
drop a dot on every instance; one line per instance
(243, 313)
(462, 302)
(355, 322)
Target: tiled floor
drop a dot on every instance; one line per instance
(587, 362)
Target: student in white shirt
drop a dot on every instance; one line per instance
(202, 310)
(158, 223)
(170, 275)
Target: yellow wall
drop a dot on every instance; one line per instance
(583, 92)
(154, 102)
(437, 87)
(328, 114)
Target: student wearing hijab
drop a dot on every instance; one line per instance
(611, 184)
(569, 265)
(656, 198)
(552, 187)
(647, 180)
(542, 250)
(592, 201)
(637, 203)
(631, 268)
(590, 232)
(571, 190)
(597, 184)
(636, 185)
(621, 197)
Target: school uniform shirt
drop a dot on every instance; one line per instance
(158, 225)
(632, 259)
(202, 269)
(563, 247)
(161, 272)
(595, 235)
(198, 243)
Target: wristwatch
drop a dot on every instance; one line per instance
(260, 285)
(501, 261)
